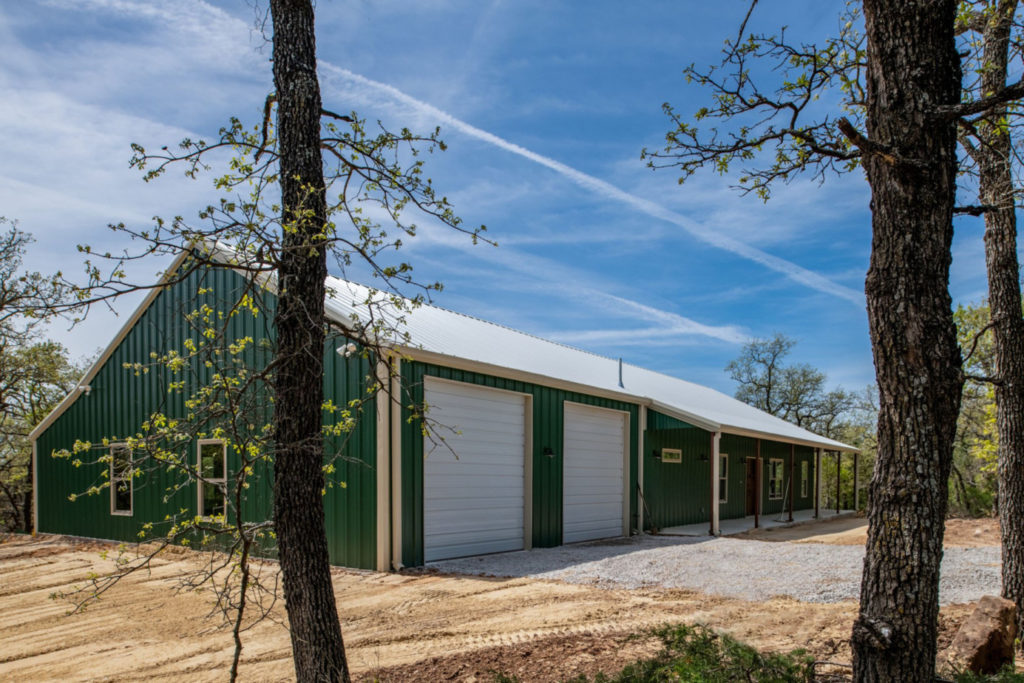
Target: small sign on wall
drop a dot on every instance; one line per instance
(671, 455)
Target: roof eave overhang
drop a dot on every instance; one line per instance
(826, 444)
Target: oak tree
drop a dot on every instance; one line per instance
(896, 91)
(306, 186)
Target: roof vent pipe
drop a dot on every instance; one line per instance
(621, 385)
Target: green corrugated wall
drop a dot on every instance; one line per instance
(547, 472)
(119, 402)
(738, 448)
(678, 494)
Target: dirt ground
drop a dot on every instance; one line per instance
(397, 627)
(960, 533)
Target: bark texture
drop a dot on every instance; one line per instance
(911, 165)
(317, 647)
(993, 157)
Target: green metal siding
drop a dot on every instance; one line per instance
(801, 502)
(738, 448)
(774, 449)
(119, 402)
(351, 510)
(677, 493)
(547, 471)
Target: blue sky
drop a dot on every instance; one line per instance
(545, 108)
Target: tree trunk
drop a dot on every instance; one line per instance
(911, 166)
(317, 647)
(996, 190)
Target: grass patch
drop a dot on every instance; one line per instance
(697, 654)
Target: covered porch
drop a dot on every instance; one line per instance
(728, 527)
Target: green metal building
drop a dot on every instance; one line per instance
(531, 443)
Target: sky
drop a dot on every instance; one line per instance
(545, 108)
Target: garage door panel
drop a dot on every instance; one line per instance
(474, 548)
(593, 473)
(473, 497)
(458, 525)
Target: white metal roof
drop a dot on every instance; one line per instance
(439, 335)
(443, 336)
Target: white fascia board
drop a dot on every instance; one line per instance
(109, 350)
(520, 375)
(827, 444)
(686, 416)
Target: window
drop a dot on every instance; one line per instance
(723, 478)
(120, 479)
(671, 455)
(775, 474)
(804, 478)
(212, 478)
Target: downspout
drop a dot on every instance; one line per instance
(792, 481)
(757, 488)
(839, 480)
(817, 483)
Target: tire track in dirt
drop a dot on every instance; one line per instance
(145, 628)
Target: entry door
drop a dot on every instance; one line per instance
(473, 482)
(751, 485)
(595, 442)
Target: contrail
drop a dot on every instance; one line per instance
(606, 189)
(698, 230)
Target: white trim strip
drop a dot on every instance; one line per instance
(383, 473)
(640, 446)
(395, 445)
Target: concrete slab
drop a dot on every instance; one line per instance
(728, 527)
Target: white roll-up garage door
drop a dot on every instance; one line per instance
(592, 473)
(473, 492)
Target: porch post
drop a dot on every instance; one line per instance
(757, 486)
(856, 481)
(642, 429)
(792, 482)
(817, 483)
(715, 475)
(839, 479)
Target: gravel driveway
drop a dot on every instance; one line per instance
(746, 569)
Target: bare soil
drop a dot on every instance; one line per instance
(960, 533)
(397, 627)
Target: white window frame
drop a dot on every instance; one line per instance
(772, 464)
(115, 479)
(207, 481)
(723, 477)
(805, 478)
